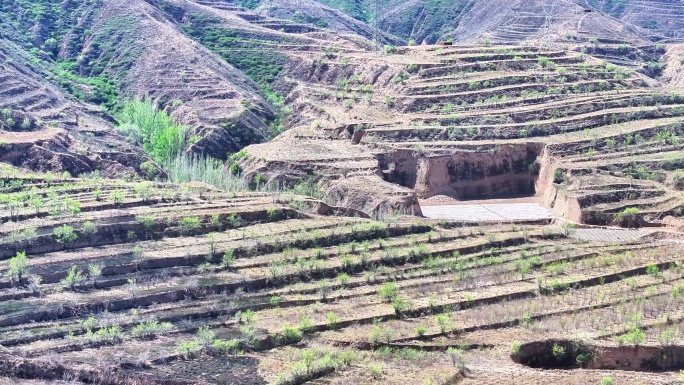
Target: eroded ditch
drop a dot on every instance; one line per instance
(568, 354)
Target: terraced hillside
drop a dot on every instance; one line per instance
(41, 128)
(594, 140)
(210, 64)
(659, 17)
(428, 21)
(504, 212)
(140, 283)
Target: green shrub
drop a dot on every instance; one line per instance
(399, 304)
(205, 337)
(388, 292)
(272, 213)
(109, 334)
(150, 329)
(117, 197)
(290, 335)
(228, 259)
(187, 225)
(73, 278)
(231, 346)
(305, 325)
(558, 351)
(333, 320)
(457, 359)
(389, 49)
(187, 348)
(629, 212)
(65, 235)
(515, 347)
(443, 322)
(18, 267)
(343, 279)
(88, 229)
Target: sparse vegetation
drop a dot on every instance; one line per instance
(182, 280)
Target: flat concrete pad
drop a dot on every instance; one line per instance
(488, 212)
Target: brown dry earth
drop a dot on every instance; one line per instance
(370, 301)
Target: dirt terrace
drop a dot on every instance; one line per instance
(188, 284)
(588, 138)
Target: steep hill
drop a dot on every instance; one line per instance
(320, 15)
(656, 18)
(237, 76)
(507, 209)
(213, 66)
(41, 128)
(515, 21)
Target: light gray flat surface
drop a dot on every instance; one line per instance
(610, 235)
(488, 212)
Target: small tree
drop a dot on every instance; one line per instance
(73, 278)
(94, 271)
(228, 259)
(333, 321)
(558, 351)
(18, 267)
(88, 229)
(188, 225)
(205, 336)
(388, 292)
(568, 228)
(515, 347)
(442, 321)
(457, 359)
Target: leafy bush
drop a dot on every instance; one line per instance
(65, 235)
(343, 279)
(150, 329)
(457, 359)
(187, 348)
(389, 49)
(88, 229)
(558, 351)
(18, 267)
(333, 321)
(192, 167)
(108, 334)
(515, 347)
(443, 321)
(305, 325)
(187, 225)
(231, 346)
(388, 292)
(73, 278)
(205, 337)
(290, 335)
(399, 304)
(629, 212)
(227, 259)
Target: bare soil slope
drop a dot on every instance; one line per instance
(121, 283)
(593, 139)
